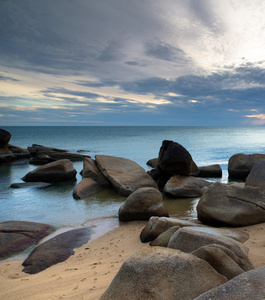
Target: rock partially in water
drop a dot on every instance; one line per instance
(85, 188)
(36, 185)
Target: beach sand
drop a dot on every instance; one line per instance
(88, 273)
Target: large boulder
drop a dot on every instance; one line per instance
(163, 238)
(5, 137)
(125, 175)
(156, 226)
(55, 250)
(174, 159)
(187, 240)
(164, 274)
(91, 170)
(143, 204)
(212, 171)
(249, 285)
(239, 165)
(256, 176)
(61, 170)
(223, 260)
(231, 205)
(185, 186)
(86, 187)
(16, 236)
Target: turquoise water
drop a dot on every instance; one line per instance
(55, 204)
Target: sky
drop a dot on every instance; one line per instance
(132, 62)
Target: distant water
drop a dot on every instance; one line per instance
(55, 204)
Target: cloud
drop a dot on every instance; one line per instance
(7, 78)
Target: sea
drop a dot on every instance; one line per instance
(55, 204)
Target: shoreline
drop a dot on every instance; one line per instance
(88, 273)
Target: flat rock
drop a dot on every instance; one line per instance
(16, 236)
(212, 171)
(86, 187)
(185, 186)
(55, 250)
(36, 185)
(249, 285)
(164, 274)
(125, 175)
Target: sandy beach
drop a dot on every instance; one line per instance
(88, 273)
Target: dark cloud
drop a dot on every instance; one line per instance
(7, 78)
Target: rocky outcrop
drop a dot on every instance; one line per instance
(6, 155)
(86, 187)
(231, 205)
(249, 285)
(174, 159)
(5, 137)
(185, 186)
(125, 175)
(152, 163)
(156, 226)
(16, 236)
(256, 176)
(55, 250)
(162, 273)
(142, 204)
(240, 165)
(61, 170)
(212, 171)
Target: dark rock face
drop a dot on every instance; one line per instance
(16, 236)
(143, 204)
(185, 186)
(174, 159)
(125, 175)
(61, 170)
(239, 165)
(55, 250)
(231, 205)
(85, 188)
(249, 285)
(256, 176)
(152, 162)
(164, 274)
(5, 137)
(213, 171)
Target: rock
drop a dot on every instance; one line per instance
(163, 238)
(174, 159)
(35, 148)
(185, 186)
(55, 250)
(188, 240)
(160, 177)
(164, 274)
(156, 226)
(125, 175)
(239, 165)
(85, 188)
(41, 159)
(16, 236)
(231, 205)
(5, 137)
(212, 171)
(256, 176)
(91, 170)
(152, 163)
(6, 156)
(142, 204)
(61, 170)
(223, 260)
(249, 285)
(37, 185)
(19, 152)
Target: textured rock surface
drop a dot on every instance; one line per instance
(256, 176)
(163, 238)
(85, 188)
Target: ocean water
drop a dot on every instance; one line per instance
(55, 204)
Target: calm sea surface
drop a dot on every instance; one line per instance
(55, 204)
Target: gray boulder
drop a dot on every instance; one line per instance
(85, 188)
(163, 238)
(223, 260)
(256, 176)
(164, 274)
(249, 285)
(55, 250)
(231, 205)
(61, 170)
(5, 137)
(185, 186)
(142, 204)
(212, 171)
(239, 165)
(188, 240)
(156, 226)
(16, 236)
(174, 159)
(125, 175)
